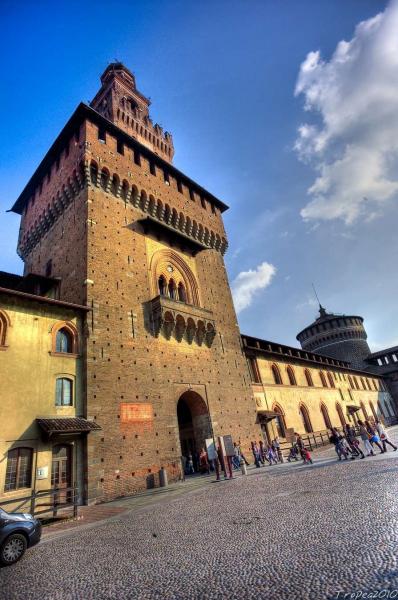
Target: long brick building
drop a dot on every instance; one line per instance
(138, 246)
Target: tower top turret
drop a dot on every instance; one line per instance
(120, 101)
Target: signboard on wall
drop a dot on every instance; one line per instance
(42, 472)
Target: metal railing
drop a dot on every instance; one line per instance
(46, 501)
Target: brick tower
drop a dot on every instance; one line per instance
(338, 336)
(142, 244)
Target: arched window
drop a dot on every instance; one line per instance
(381, 409)
(350, 382)
(326, 418)
(363, 383)
(253, 369)
(373, 410)
(64, 392)
(276, 374)
(331, 381)
(368, 384)
(181, 293)
(172, 289)
(356, 382)
(63, 341)
(323, 379)
(341, 414)
(64, 338)
(19, 469)
(280, 422)
(308, 378)
(162, 286)
(365, 414)
(305, 418)
(4, 323)
(375, 384)
(291, 376)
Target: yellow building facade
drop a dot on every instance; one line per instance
(297, 391)
(42, 396)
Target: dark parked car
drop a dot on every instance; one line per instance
(18, 531)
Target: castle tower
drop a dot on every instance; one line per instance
(119, 101)
(142, 245)
(338, 336)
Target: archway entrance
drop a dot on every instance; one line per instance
(193, 424)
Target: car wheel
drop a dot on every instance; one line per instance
(13, 548)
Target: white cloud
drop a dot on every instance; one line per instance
(248, 283)
(353, 143)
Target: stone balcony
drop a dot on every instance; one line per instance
(182, 321)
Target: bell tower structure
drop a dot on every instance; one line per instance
(142, 245)
(119, 101)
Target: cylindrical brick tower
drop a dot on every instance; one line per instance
(338, 336)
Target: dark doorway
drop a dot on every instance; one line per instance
(193, 424)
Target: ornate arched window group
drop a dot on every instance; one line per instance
(171, 290)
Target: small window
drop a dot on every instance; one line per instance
(64, 341)
(291, 376)
(203, 203)
(308, 378)
(253, 369)
(276, 375)
(166, 176)
(179, 186)
(331, 380)
(120, 147)
(394, 357)
(137, 158)
(213, 208)
(63, 392)
(3, 328)
(191, 195)
(102, 135)
(19, 469)
(152, 168)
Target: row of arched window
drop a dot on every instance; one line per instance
(64, 335)
(326, 380)
(304, 412)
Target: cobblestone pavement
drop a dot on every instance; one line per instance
(302, 533)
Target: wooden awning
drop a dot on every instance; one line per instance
(264, 416)
(352, 409)
(67, 425)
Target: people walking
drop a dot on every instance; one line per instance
(353, 442)
(256, 454)
(383, 436)
(236, 457)
(300, 444)
(190, 469)
(364, 435)
(241, 454)
(204, 462)
(340, 449)
(373, 436)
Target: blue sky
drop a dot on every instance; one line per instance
(222, 77)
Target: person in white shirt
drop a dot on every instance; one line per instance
(383, 436)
